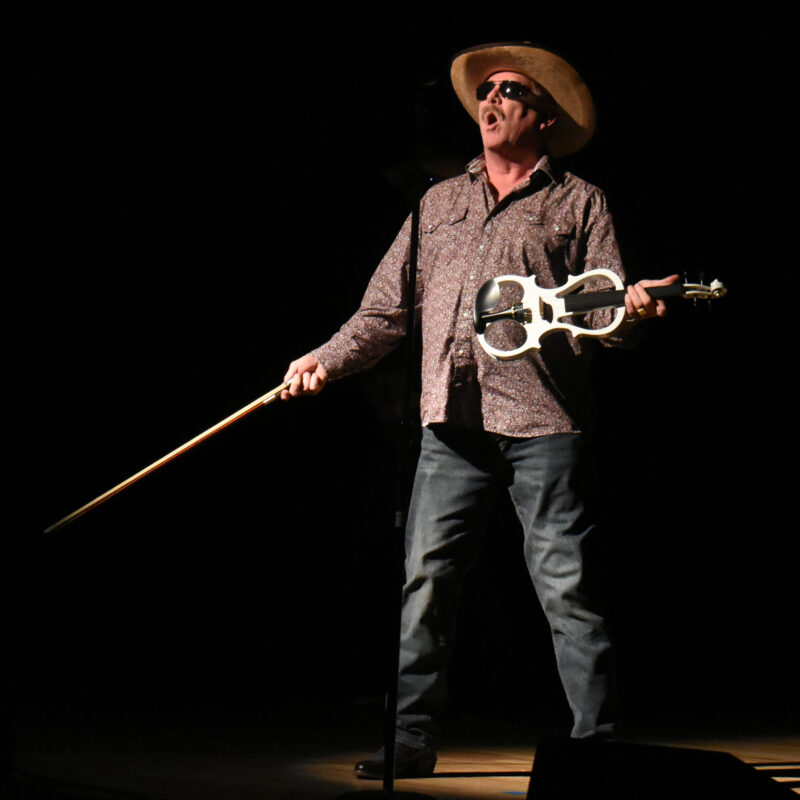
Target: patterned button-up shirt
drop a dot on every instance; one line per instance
(553, 225)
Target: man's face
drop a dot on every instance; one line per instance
(509, 126)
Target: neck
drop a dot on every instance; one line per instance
(505, 172)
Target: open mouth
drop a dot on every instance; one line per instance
(491, 117)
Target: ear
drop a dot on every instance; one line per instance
(548, 122)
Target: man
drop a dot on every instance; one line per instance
(493, 424)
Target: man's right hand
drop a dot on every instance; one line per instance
(307, 375)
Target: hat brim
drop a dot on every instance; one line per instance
(575, 108)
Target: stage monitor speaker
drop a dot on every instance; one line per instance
(571, 769)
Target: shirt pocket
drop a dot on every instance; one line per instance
(443, 238)
(561, 249)
(456, 215)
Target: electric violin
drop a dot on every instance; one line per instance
(544, 311)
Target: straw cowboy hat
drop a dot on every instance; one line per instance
(574, 106)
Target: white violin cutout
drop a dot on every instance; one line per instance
(542, 310)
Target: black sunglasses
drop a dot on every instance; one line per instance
(512, 90)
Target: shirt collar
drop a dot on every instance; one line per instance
(545, 165)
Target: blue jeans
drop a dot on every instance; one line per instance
(458, 476)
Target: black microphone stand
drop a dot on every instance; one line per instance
(407, 428)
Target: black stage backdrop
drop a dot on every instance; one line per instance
(200, 196)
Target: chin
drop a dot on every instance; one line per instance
(497, 144)
(493, 138)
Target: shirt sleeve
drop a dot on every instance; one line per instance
(380, 322)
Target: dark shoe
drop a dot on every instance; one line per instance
(409, 762)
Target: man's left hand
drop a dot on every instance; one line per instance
(640, 305)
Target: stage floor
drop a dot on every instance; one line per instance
(308, 754)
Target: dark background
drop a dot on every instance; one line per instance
(201, 195)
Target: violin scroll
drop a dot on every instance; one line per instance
(713, 291)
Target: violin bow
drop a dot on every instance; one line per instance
(264, 400)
